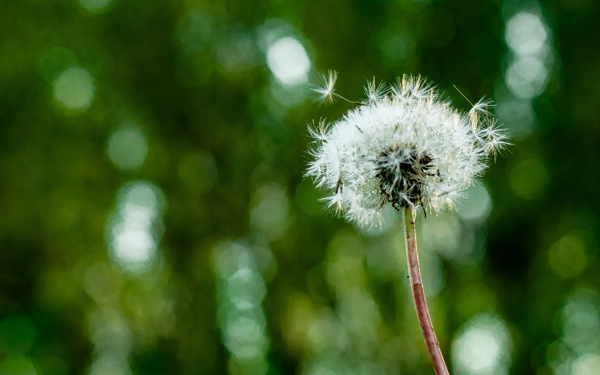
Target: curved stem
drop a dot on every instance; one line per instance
(433, 347)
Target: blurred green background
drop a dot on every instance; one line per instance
(154, 218)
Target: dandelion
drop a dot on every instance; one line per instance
(405, 147)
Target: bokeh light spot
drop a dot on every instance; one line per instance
(270, 210)
(127, 148)
(74, 88)
(532, 55)
(133, 238)
(110, 365)
(230, 257)
(17, 365)
(518, 115)
(477, 204)
(567, 256)
(360, 315)
(586, 364)
(526, 77)
(384, 263)
(526, 33)
(234, 50)
(95, 6)
(326, 333)
(241, 290)
(483, 347)
(434, 272)
(581, 320)
(101, 281)
(330, 365)
(193, 31)
(134, 246)
(109, 331)
(245, 338)
(246, 289)
(395, 47)
(529, 179)
(443, 233)
(288, 61)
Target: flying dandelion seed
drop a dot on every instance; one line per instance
(326, 89)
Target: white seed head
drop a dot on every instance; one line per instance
(402, 146)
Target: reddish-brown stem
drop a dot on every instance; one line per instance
(433, 347)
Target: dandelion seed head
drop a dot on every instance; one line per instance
(402, 146)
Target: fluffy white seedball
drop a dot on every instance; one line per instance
(402, 146)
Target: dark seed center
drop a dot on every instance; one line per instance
(402, 172)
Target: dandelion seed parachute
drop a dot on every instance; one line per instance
(326, 90)
(403, 146)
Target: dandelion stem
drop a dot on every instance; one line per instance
(433, 347)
